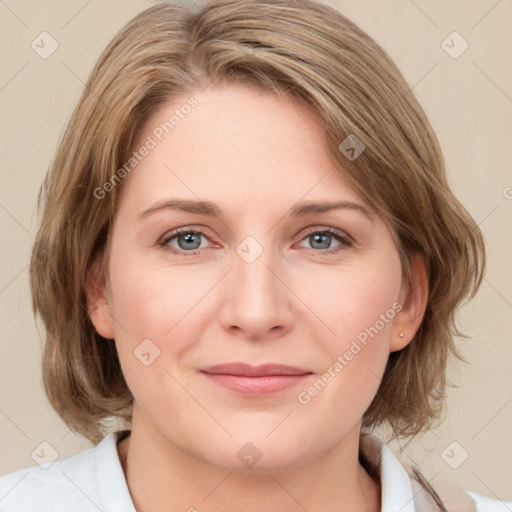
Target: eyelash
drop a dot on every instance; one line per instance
(345, 240)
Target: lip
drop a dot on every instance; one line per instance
(255, 380)
(247, 370)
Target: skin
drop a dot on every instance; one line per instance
(255, 155)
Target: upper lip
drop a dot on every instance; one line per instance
(247, 370)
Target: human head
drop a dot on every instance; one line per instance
(349, 83)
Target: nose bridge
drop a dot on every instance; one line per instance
(255, 299)
(253, 280)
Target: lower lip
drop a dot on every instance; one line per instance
(257, 385)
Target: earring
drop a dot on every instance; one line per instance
(402, 335)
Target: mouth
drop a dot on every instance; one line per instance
(255, 380)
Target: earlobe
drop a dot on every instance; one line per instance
(413, 298)
(98, 306)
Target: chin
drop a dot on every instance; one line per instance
(257, 455)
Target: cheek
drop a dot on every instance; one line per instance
(350, 300)
(150, 307)
(150, 311)
(150, 300)
(356, 306)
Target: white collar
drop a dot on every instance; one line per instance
(396, 489)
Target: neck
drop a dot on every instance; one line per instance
(161, 475)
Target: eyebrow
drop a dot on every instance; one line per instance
(299, 210)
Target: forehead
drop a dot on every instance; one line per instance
(236, 142)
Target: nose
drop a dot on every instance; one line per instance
(256, 303)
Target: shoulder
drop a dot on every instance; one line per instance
(455, 499)
(404, 488)
(65, 482)
(488, 504)
(90, 480)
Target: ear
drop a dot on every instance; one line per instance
(98, 306)
(413, 298)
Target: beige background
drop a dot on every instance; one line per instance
(469, 101)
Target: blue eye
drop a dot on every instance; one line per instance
(321, 240)
(189, 241)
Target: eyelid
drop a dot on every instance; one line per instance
(345, 241)
(342, 237)
(327, 229)
(173, 233)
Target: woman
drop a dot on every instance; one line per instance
(250, 254)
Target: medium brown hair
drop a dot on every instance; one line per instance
(302, 48)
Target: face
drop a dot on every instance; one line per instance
(262, 280)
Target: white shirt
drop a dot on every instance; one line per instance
(93, 480)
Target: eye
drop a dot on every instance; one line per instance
(187, 240)
(321, 240)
